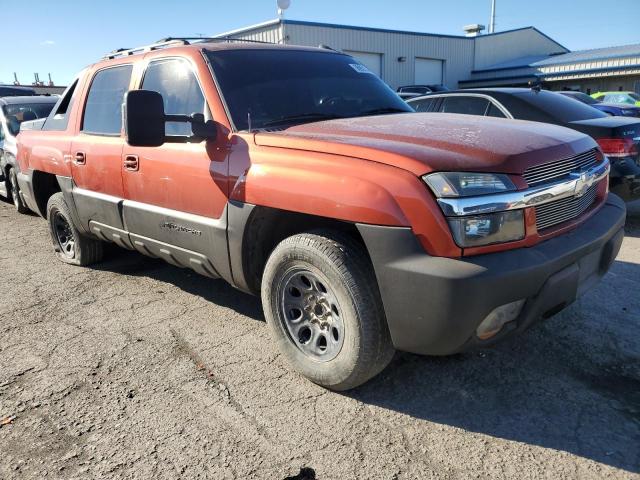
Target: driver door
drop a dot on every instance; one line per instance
(173, 205)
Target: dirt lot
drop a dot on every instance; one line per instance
(136, 369)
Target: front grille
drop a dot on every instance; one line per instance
(561, 168)
(554, 213)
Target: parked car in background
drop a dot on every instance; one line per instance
(614, 109)
(16, 91)
(13, 112)
(365, 227)
(630, 98)
(411, 91)
(618, 137)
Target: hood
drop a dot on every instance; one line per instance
(426, 142)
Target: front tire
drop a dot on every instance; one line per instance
(15, 192)
(321, 300)
(69, 244)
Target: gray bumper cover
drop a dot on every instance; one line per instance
(434, 304)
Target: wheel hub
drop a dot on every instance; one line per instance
(311, 314)
(64, 235)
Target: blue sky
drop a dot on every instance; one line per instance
(63, 36)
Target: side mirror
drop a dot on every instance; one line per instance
(201, 129)
(144, 118)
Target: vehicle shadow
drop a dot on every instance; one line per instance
(571, 383)
(216, 291)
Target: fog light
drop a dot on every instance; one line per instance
(498, 318)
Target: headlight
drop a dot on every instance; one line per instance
(461, 184)
(479, 230)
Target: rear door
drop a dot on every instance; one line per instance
(174, 202)
(96, 152)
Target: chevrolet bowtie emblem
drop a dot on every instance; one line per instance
(583, 182)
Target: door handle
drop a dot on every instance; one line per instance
(131, 163)
(80, 158)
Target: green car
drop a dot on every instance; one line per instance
(631, 98)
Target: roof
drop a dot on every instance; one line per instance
(284, 21)
(608, 53)
(520, 62)
(29, 99)
(17, 87)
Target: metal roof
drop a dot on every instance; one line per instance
(609, 53)
(28, 99)
(520, 62)
(284, 21)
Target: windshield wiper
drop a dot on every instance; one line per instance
(313, 117)
(382, 111)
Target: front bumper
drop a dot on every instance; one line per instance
(434, 305)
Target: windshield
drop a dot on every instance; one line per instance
(22, 112)
(583, 97)
(280, 87)
(635, 96)
(560, 107)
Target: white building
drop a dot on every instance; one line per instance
(513, 57)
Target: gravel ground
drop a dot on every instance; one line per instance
(136, 369)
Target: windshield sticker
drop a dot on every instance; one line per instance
(360, 68)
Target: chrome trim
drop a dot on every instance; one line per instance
(576, 186)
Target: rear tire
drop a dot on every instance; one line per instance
(15, 192)
(321, 300)
(69, 244)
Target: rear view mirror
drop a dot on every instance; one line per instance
(144, 118)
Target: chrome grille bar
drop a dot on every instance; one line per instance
(560, 211)
(558, 169)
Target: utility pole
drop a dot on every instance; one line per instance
(492, 23)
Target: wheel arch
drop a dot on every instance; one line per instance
(254, 231)
(45, 185)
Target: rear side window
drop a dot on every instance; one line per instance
(103, 110)
(59, 117)
(558, 107)
(423, 105)
(175, 81)
(464, 105)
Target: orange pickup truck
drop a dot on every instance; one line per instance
(295, 173)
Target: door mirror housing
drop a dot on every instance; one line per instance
(144, 118)
(201, 129)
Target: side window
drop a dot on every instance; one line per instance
(103, 110)
(464, 105)
(495, 112)
(423, 105)
(175, 81)
(58, 119)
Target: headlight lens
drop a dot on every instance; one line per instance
(479, 230)
(462, 184)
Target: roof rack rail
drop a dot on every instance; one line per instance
(175, 41)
